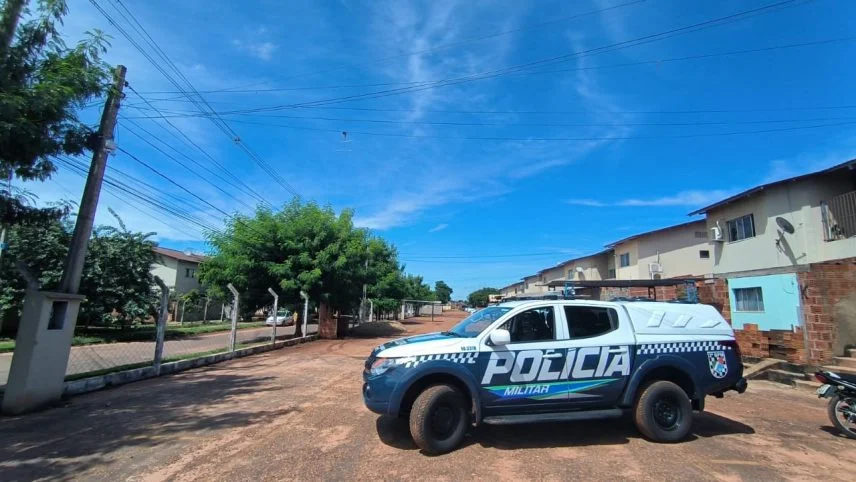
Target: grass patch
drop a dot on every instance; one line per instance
(98, 335)
(131, 366)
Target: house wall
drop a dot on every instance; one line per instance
(166, 269)
(594, 268)
(627, 272)
(552, 274)
(799, 203)
(781, 302)
(184, 283)
(677, 251)
(532, 284)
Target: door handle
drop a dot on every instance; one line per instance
(552, 355)
(618, 350)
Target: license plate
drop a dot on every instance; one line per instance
(825, 390)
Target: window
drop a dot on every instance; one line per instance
(589, 321)
(701, 234)
(190, 273)
(536, 324)
(704, 254)
(741, 228)
(748, 299)
(610, 273)
(624, 260)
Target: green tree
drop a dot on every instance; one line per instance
(479, 297)
(443, 291)
(303, 247)
(116, 281)
(43, 82)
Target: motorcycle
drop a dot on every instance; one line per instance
(840, 389)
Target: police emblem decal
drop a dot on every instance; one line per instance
(716, 362)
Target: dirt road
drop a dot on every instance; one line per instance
(296, 414)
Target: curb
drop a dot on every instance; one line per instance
(115, 379)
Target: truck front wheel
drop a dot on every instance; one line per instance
(438, 419)
(663, 412)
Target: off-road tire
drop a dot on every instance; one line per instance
(833, 402)
(439, 402)
(663, 412)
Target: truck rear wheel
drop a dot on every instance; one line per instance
(663, 412)
(438, 419)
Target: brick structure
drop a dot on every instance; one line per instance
(828, 298)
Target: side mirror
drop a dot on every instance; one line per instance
(500, 337)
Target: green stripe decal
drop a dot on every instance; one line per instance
(543, 391)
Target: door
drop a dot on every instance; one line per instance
(599, 355)
(518, 376)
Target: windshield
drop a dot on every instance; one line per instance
(283, 313)
(474, 324)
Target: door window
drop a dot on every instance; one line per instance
(589, 321)
(537, 324)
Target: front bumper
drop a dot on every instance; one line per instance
(380, 407)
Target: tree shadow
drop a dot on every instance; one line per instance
(617, 431)
(61, 443)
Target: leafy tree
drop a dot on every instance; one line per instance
(443, 291)
(479, 297)
(303, 247)
(42, 84)
(116, 281)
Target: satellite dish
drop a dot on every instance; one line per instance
(785, 225)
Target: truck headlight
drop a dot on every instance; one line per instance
(381, 365)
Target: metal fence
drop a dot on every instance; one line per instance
(839, 216)
(99, 350)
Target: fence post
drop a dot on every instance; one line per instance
(205, 312)
(183, 309)
(275, 314)
(305, 312)
(222, 311)
(161, 325)
(234, 337)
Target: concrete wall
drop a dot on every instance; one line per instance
(678, 252)
(799, 203)
(632, 271)
(781, 302)
(166, 269)
(594, 268)
(186, 283)
(532, 284)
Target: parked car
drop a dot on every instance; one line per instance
(550, 361)
(283, 318)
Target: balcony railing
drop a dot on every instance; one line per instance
(839, 216)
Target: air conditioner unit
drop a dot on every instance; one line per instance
(716, 233)
(655, 268)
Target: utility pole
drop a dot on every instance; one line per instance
(8, 25)
(73, 268)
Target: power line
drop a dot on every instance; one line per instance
(181, 98)
(201, 104)
(548, 139)
(425, 51)
(473, 256)
(235, 178)
(550, 60)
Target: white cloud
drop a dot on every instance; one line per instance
(694, 198)
(438, 227)
(262, 50)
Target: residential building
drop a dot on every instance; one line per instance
(783, 258)
(511, 289)
(177, 269)
(591, 267)
(671, 252)
(534, 284)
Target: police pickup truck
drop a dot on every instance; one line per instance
(537, 361)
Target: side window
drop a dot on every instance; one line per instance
(537, 324)
(589, 321)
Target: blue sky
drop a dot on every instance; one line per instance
(584, 151)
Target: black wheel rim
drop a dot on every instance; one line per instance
(444, 420)
(667, 412)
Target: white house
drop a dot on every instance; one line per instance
(675, 251)
(177, 269)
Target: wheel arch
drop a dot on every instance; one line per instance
(669, 368)
(450, 374)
